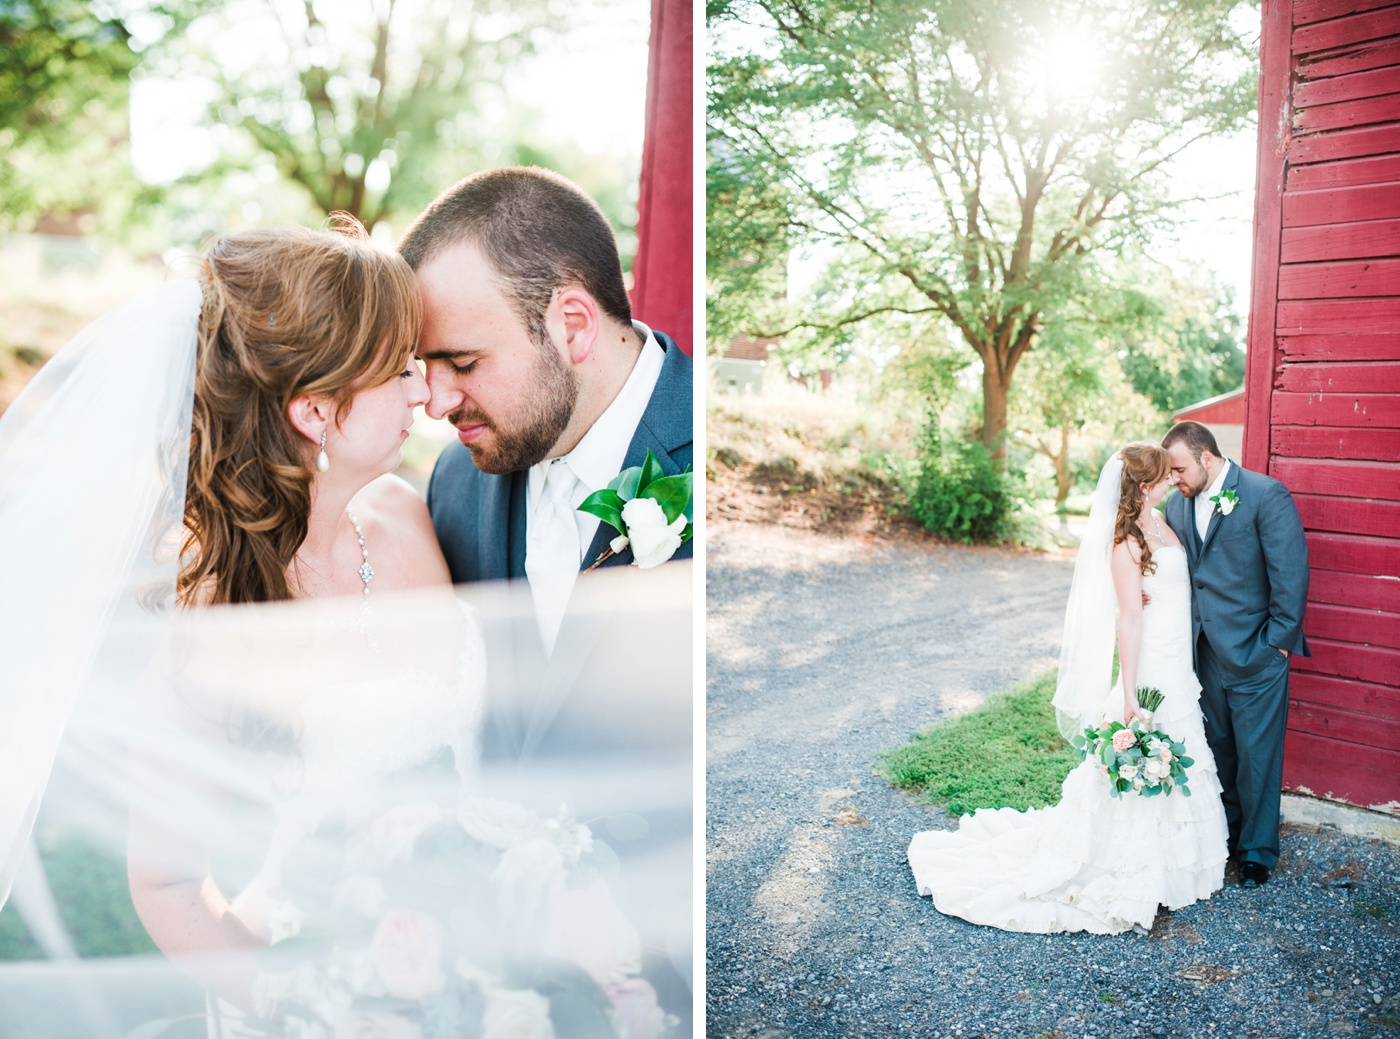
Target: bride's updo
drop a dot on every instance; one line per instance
(286, 311)
(1143, 463)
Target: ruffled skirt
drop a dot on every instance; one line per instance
(1092, 862)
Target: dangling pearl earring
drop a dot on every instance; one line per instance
(322, 462)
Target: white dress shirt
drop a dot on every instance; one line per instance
(593, 463)
(1205, 508)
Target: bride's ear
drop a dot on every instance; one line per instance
(310, 415)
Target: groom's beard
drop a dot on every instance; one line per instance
(1188, 489)
(525, 438)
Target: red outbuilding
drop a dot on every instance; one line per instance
(1322, 385)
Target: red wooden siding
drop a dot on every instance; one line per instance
(1228, 407)
(1322, 388)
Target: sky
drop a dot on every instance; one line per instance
(588, 83)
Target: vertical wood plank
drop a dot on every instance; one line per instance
(1275, 117)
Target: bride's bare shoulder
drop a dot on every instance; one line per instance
(395, 519)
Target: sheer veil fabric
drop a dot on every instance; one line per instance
(93, 457)
(324, 762)
(1086, 648)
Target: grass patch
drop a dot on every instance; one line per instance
(1377, 908)
(1006, 754)
(90, 886)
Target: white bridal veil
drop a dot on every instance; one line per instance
(92, 475)
(439, 831)
(1086, 648)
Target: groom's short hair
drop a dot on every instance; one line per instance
(537, 230)
(1195, 436)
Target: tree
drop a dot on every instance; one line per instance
(975, 154)
(1194, 349)
(361, 105)
(63, 95)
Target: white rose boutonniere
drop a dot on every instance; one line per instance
(1226, 501)
(650, 511)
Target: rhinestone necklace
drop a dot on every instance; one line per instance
(366, 573)
(1156, 521)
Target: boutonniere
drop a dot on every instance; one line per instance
(650, 511)
(1226, 501)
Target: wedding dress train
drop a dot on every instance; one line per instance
(1094, 862)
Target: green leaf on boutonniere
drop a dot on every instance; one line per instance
(606, 505)
(651, 471)
(672, 493)
(626, 483)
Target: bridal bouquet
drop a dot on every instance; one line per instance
(488, 922)
(1135, 757)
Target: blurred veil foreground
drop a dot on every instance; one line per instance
(427, 828)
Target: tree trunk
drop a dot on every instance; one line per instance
(1064, 480)
(994, 397)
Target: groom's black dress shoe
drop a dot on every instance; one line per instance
(1252, 874)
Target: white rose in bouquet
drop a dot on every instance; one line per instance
(500, 824)
(515, 1014)
(369, 1024)
(530, 875)
(653, 539)
(1127, 771)
(1155, 769)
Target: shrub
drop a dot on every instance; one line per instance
(960, 492)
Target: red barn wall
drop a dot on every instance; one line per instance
(1323, 376)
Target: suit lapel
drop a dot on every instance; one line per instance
(495, 527)
(517, 511)
(1231, 480)
(665, 427)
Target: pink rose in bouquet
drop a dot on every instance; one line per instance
(408, 951)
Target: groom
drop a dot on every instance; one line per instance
(1249, 587)
(532, 353)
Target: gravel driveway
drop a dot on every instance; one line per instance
(821, 652)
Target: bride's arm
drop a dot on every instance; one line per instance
(1127, 585)
(181, 907)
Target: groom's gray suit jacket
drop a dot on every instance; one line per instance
(480, 517)
(1249, 575)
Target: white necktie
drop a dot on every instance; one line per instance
(1205, 508)
(552, 550)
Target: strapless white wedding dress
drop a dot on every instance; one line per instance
(1094, 862)
(360, 746)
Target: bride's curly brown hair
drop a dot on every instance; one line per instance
(286, 311)
(1143, 463)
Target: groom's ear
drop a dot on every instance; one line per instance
(309, 415)
(577, 310)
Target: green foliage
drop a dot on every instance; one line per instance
(63, 95)
(90, 886)
(1006, 754)
(1196, 350)
(975, 155)
(371, 112)
(961, 493)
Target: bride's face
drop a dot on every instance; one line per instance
(369, 439)
(1156, 493)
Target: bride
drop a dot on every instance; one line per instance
(1094, 862)
(223, 445)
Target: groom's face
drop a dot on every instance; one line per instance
(1187, 471)
(509, 396)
